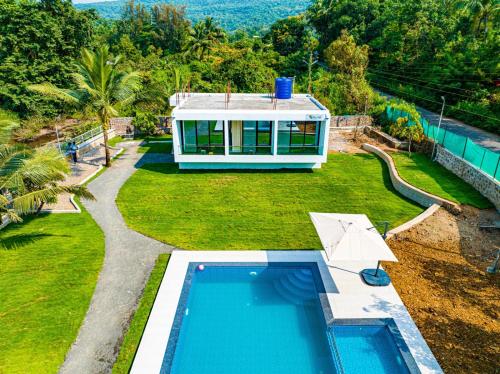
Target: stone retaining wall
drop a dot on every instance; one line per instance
(122, 125)
(411, 192)
(350, 121)
(382, 137)
(486, 185)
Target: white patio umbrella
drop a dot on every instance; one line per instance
(350, 237)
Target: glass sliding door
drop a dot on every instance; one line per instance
(250, 137)
(202, 137)
(298, 137)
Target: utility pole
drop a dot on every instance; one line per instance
(439, 126)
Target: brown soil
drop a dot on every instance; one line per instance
(350, 142)
(441, 279)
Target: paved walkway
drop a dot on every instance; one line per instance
(87, 165)
(128, 262)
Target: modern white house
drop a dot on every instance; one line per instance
(248, 131)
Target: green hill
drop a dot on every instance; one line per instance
(232, 15)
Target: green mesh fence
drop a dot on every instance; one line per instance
(461, 146)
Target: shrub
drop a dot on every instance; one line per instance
(145, 123)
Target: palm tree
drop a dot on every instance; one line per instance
(100, 85)
(482, 12)
(29, 177)
(204, 36)
(8, 123)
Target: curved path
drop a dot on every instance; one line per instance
(128, 261)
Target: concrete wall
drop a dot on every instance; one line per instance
(411, 192)
(486, 185)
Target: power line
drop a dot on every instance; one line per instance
(418, 85)
(435, 102)
(421, 80)
(432, 68)
(488, 76)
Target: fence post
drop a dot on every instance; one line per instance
(444, 136)
(496, 169)
(465, 147)
(482, 159)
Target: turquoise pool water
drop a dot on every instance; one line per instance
(264, 319)
(368, 349)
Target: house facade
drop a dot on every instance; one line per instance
(248, 131)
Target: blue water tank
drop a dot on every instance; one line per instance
(283, 87)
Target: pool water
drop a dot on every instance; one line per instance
(368, 349)
(268, 319)
(253, 319)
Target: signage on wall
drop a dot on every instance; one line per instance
(315, 117)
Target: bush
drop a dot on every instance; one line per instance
(145, 123)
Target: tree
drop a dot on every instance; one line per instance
(29, 178)
(289, 35)
(408, 124)
(205, 36)
(38, 42)
(348, 63)
(345, 57)
(100, 85)
(482, 12)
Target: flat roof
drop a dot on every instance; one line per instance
(243, 101)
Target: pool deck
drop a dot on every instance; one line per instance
(349, 298)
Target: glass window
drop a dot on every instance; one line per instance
(203, 136)
(284, 134)
(298, 137)
(250, 137)
(217, 136)
(264, 133)
(311, 136)
(189, 138)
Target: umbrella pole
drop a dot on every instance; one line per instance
(378, 266)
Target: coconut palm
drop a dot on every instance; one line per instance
(482, 12)
(29, 177)
(100, 85)
(204, 36)
(8, 123)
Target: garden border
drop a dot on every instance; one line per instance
(409, 191)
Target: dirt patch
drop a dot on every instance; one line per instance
(442, 281)
(350, 142)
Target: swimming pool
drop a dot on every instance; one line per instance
(266, 318)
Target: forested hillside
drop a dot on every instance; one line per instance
(339, 51)
(232, 15)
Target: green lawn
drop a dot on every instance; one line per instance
(162, 144)
(257, 210)
(136, 328)
(429, 176)
(48, 270)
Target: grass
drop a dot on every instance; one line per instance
(257, 210)
(114, 141)
(429, 176)
(49, 269)
(162, 144)
(136, 328)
